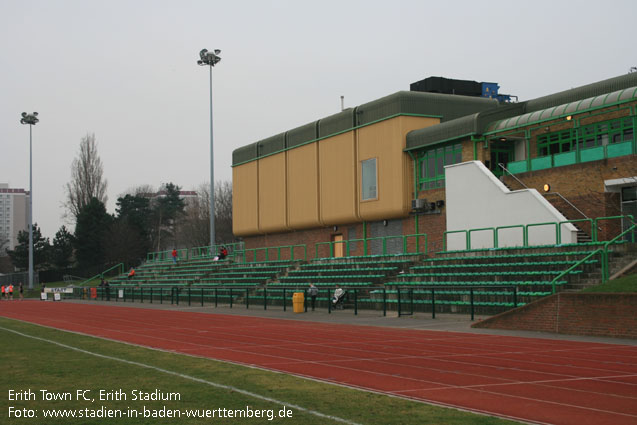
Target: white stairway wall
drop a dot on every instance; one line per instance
(476, 199)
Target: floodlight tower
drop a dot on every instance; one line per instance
(211, 59)
(31, 120)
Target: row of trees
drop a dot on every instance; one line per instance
(145, 220)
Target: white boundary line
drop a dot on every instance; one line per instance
(192, 378)
(298, 375)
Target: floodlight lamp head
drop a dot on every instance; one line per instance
(217, 51)
(35, 113)
(24, 114)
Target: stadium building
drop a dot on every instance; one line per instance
(446, 159)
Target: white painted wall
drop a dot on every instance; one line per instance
(476, 199)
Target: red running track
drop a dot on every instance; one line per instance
(529, 379)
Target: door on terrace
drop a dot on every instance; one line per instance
(339, 245)
(501, 153)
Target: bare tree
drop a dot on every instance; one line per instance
(86, 178)
(223, 211)
(194, 227)
(143, 190)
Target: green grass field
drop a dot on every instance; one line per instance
(34, 365)
(623, 284)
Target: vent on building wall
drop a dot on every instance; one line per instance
(419, 204)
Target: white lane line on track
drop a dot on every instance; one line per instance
(192, 378)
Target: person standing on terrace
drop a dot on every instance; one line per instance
(174, 254)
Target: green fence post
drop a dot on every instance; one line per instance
(265, 298)
(398, 300)
(247, 298)
(471, 303)
(384, 302)
(216, 297)
(433, 303)
(231, 293)
(329, 302)
(355, 302)
(202, 297)
(284, 301)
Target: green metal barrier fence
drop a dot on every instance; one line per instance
(235, 251)
(594, 225)
(276, 253)
(330, 245)
(404, 300)
(119, 268)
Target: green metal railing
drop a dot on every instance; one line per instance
(594, 223)
(396, 296)
(154, 257)
(366, 242)
(235, 251)
(603, 251)
(119, 267)
(276, 253)
(605, 264)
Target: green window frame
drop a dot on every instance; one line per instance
(607, 132)
(589, 136)
(431, 165)
(558, 142)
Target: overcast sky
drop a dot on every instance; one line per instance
(126, 71)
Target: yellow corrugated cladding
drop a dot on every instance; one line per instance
(303, 206)
(385, 141)
(318, 184)
(272, 194)
(337, 174)
(245, 215)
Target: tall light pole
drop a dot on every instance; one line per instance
(211, 59)
(31, 119)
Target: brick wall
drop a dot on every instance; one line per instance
(583, 185)
(593, 314)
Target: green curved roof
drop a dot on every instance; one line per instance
(444, 106)
(592, 96)
(591, 103)
(583, 92)
(460, 127)
(337, 123)
(302, 134)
